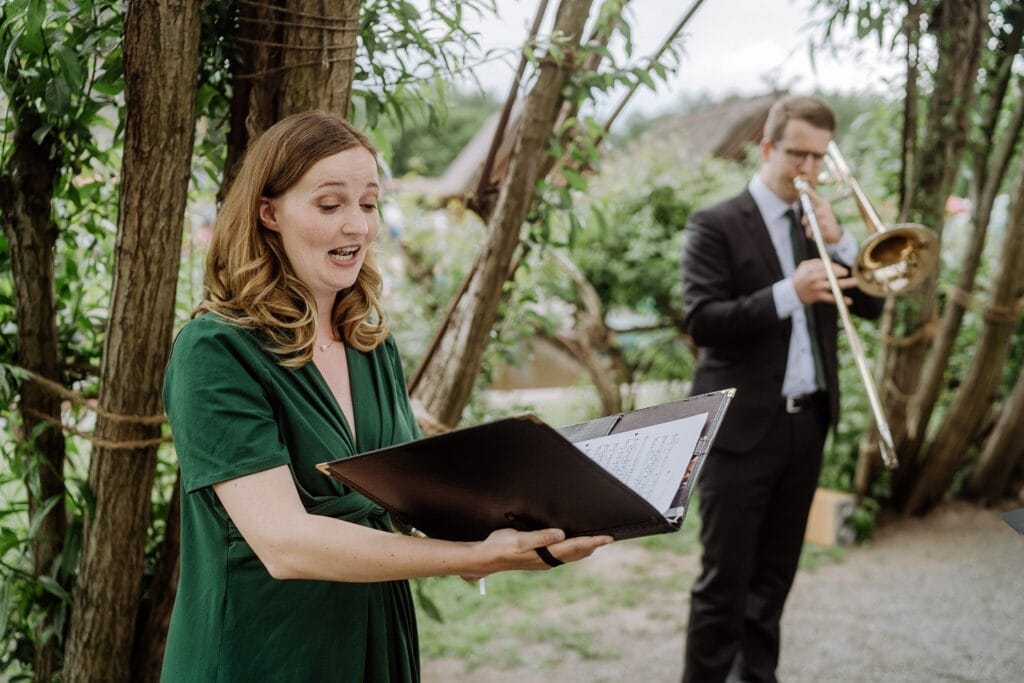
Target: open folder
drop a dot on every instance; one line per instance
(624, 475)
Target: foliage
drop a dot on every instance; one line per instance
(61, 77)
(61, 74)
(406, 55)
(426, 140)
(22, 606)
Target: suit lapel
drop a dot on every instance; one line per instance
(759, 238)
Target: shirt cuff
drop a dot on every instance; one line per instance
(845, 250)
(785, 297)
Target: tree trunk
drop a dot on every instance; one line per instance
(161, 51)
(26, 188)
(869, 456)
(264, 89)
(992, 152)
(959, 35)
(445, 379)
(155, 613)
(980, 387)
(294, 57)
(590, 338)
(911, 93)
(1002, 451)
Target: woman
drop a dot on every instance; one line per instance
(286, 574)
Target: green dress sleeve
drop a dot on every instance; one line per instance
(223, 421)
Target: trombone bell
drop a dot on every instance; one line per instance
(893, 260)
(897, 260)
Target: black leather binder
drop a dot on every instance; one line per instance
(520, 472)
(1015, 518)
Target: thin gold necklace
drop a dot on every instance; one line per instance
(324, 347)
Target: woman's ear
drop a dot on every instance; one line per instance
(268, 216)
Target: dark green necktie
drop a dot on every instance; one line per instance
(799, 242)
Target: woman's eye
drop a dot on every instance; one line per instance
(327, 208)
(369, 207)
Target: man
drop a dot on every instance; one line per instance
(759, 307)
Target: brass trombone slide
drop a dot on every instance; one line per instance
(886, 446)
(893, 260)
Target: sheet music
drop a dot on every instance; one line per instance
(652, 461)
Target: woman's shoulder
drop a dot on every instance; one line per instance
(211, 332)
(209, 325)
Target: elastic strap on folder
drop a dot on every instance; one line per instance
(549, 559)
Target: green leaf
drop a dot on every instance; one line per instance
(37, 518)
(57, 97)
(645, 78)
(5, 609)
(70, 68)
(51, 586)
(8, 539)
(41, 132)
(575, 178)
(32, 40)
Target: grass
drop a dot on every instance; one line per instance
(532, 619)
(553, 612)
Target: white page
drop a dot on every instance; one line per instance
(651, 460)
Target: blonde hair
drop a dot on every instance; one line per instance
(249, 279)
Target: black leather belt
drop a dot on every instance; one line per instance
(796, 404)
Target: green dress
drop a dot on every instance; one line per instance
(235, 411)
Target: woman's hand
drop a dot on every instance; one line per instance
(507, 549)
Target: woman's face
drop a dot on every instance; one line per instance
(328, 220)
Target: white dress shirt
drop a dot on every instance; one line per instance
(799, 377)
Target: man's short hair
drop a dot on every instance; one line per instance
(800, 107)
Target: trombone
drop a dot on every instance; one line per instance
(892, 261)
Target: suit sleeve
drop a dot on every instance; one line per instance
(718, 311)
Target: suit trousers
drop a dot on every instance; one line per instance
(753, 508)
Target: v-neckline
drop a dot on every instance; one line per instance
(352, 434)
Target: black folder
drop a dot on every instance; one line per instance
(522, 473)
(1015, 518)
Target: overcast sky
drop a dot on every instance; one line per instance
(731, 46)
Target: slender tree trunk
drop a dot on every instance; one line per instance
(590, 340)
(869, 457)
(445, 380)
(161, 50)
(959, 34)
(271, 80)
(980, 387)
(26, 188)
(1002, 451)
(155, 613)
(992, 151)
(911, 93)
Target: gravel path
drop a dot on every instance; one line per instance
(928, 600)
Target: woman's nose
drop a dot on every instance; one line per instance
(355, 222)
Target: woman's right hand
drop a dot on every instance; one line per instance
(507, 549)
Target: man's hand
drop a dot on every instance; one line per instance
(830, 229)
(811, 281)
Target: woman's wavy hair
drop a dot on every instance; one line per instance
(249, 279)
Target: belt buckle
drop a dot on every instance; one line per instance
(792, 407)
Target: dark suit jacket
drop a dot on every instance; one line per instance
(729, 267)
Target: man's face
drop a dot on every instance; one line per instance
(800, 152)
